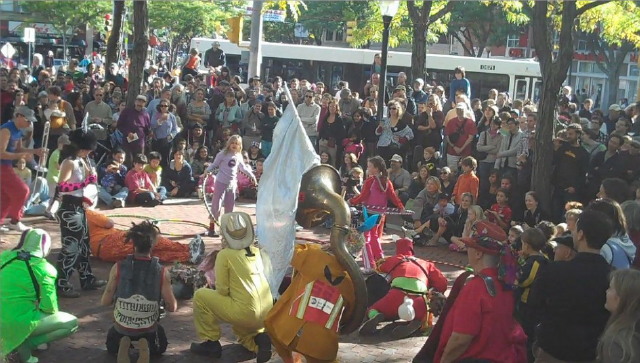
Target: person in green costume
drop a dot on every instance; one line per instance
(29, 315)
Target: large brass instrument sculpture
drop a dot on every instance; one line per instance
(320, 198)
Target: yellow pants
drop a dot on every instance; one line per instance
(210, 309)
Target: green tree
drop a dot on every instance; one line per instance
(66, 16)
(478, 25)
(140, 46)
(113, 43)
(552, 16)
(184, 20)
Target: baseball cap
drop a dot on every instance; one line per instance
(196, 126)
(396, 158)
(461, 105)
(442, 196)
(26, 112)
(400, 88)
(565, 240)
(141, 97)
(255, 144)
(615, 107)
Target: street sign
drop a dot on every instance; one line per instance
(29, 35)
(8, 50)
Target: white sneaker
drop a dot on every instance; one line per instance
(118, 203)
(409, 233)
(17, 227)
(4, 229)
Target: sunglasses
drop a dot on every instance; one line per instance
(164, 105)
(309, 96)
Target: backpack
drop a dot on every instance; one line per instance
(619, 258)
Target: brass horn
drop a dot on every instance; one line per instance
(320, 198)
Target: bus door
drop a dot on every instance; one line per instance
(536, 90)
(522, 88)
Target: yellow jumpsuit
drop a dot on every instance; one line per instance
(242, 298)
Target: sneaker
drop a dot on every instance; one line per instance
(209, 348)
(196, 250)
(69, 294)
(123, 350)
(264, 347)
(118, 203)
(406, 330)
(18, 226)
(370, 326)
(49, 215)
(143, 351)
(94, 284)
(298, 227)
(4, 229)
(408, 232)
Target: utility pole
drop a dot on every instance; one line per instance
(255, 48)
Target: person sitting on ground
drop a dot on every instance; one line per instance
(474, 216)
(411, 278)
(112, 190)
(141, 189)
(242, 296)
(178, 177)
(154, 170)
(136, 287)
(29, 315)
(110, 244)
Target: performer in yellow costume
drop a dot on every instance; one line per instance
(242, 296)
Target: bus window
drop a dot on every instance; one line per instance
(522, 85)
(536, 90)
(337, 74)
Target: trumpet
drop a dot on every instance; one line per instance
(41, 168)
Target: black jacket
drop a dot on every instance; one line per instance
(569, 298)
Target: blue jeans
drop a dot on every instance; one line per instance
(484, 169)
(107, 198)
(163, 192)
(41, 192)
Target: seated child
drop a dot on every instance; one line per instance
(22, 171)
(112, 190)
(500, 212)
(353, 185)
(154, 170)
(255, 154)
(141, 189)
(136, 287)
(353, 144)
(431, 158)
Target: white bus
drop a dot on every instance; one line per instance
(521, 78)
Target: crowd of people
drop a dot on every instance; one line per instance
(543, 289)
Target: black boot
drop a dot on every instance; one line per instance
(264, 347)
(209, 348)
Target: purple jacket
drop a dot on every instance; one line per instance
(229, 164)
(137, 122)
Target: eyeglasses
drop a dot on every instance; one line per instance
(164, 105)
(444, 172)
(309, 96)
(99, 95)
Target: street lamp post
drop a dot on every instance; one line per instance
(388, 10)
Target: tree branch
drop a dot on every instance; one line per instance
(464, 45)
(590, 6)
(442, 12)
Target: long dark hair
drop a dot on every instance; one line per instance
(79, 140)
(379, 163)
(143, 235)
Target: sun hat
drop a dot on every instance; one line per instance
(237, 230)
(397, 158)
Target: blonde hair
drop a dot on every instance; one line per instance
(232, 138)
(619, 333)
(478, 212)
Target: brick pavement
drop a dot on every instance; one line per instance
(87, 345)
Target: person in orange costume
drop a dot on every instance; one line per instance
(109, 243)
(319, 282)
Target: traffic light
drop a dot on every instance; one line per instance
(234, 34)
(108, 23)
(351, 26)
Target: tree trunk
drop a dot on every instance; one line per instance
(613, 81)
(140, 47)
(554, 72)
(419, 51)
(114, 39)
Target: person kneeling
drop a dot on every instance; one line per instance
(136, 286)
(242, 296)
(29, 313)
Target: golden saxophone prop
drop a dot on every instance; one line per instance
(319, 199)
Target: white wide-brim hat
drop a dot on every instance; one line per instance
(237, 230)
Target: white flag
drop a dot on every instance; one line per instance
(291, 156)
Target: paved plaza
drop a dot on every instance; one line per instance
(87, 345)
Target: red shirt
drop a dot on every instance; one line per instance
(504, 213)
(497, 335)
(468, 129)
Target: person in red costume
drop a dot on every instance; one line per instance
(411, 278)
